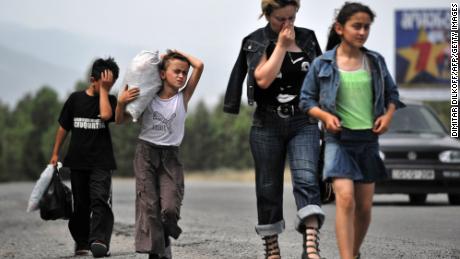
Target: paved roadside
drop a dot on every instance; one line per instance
(218, 221)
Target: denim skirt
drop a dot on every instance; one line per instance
(353, 154)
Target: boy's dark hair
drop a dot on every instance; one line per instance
(172, 55)
(102, 64)
(347, 10)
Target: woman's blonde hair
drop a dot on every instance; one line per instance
(269, 5)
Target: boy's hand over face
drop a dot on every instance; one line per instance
(106, 80)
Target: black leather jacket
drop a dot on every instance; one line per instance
(252, 49)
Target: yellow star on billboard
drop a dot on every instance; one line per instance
(422, 56)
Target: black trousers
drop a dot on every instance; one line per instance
(92, 218)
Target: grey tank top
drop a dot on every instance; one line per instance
(163, 121)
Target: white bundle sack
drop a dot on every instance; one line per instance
(142, 72)
(40, 187)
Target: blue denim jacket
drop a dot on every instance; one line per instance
(323, 80)
(253, 47)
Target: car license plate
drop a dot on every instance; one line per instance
(411, 174)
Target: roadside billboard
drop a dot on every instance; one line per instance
(423, 47)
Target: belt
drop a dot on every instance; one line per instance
(282, 110)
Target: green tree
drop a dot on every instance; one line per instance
(212, 139)
(232, 134)
(4, 115)
(198, 147)
(45, 108)
(216, 140)
(124, 138)
(20, 127)
(80, 85)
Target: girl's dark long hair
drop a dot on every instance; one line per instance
(347, 10)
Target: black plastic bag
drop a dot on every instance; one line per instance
(56, 202)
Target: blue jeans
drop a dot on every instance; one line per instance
(271, 139)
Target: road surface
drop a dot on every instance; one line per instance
(218, 221)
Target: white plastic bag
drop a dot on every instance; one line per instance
(40, 187)
(142, 72)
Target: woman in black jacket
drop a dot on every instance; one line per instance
(276, 59)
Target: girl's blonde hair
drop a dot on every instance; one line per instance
(269, 5)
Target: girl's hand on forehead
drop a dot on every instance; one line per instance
(168, 51)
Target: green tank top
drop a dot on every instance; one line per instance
(354, 99)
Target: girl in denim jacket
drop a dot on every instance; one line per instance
(350, 90)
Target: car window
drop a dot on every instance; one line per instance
(415, 119)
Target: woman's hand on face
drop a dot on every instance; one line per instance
(286, 37)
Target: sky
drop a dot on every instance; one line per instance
(211, 30)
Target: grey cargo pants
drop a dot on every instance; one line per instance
(159, 193)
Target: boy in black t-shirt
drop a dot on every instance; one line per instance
(87, 115)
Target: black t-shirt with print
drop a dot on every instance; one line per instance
(90, 143)
(285, 89)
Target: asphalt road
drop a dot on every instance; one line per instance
(218, 221)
